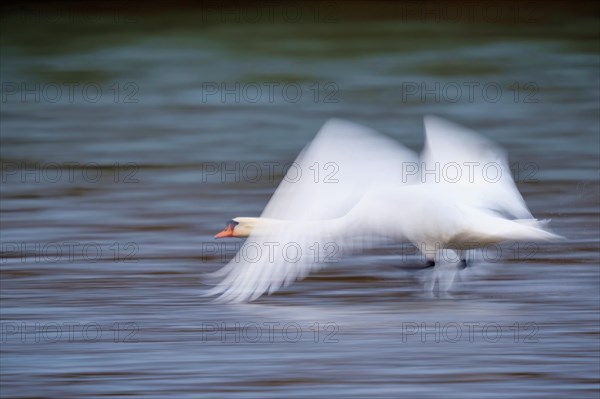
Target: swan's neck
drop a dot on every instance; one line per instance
(258, 225)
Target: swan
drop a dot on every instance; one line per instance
(458, 195)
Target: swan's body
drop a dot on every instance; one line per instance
(380, 191)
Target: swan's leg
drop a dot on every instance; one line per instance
(430, 260)
(430, 251)
(462, 256)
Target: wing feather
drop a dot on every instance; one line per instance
(457, 156)
(329, 177)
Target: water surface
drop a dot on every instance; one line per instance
(109, 201)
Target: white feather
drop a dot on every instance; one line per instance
(350, 188)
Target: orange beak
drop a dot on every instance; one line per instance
(228, 232)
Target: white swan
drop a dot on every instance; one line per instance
(351, 188)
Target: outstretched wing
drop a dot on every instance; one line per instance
(329, 177)
(335, 170)
(456, 156)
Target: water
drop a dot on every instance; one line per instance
(110, 200)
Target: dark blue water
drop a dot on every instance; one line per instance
(129, 139)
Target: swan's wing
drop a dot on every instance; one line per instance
(336, 169)
(331, 175)
(459, 157)
(281, 255)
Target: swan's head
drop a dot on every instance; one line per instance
(238, 227)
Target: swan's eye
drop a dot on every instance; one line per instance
(232, 223)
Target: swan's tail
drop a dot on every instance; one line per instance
(490, 228)
(533, 229)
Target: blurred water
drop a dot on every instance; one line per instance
(110, 199)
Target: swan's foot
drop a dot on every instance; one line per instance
(462, 264)
(430, 263)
